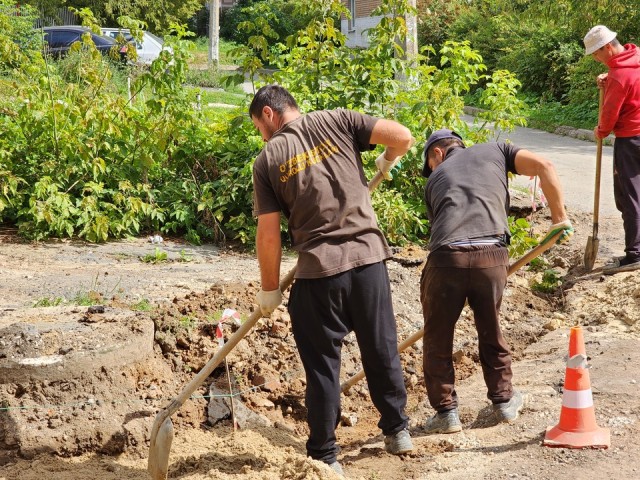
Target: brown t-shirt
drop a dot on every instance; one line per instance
(311, 170)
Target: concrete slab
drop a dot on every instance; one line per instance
(63, 343)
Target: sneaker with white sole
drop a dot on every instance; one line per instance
(444, 422)
(509, 411)
(337, 468)
(398, 443)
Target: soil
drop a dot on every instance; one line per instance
(81, 406)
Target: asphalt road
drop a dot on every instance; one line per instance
(575, 162)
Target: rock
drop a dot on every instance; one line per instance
(219, 408)
(412, 381)
(279, 329)
(349, 419)
(267, 380)
(553, 324)
(263, 403)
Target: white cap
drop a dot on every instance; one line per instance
(596, 38)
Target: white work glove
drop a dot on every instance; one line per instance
(385, 165)
(565, 227)
(269, 301)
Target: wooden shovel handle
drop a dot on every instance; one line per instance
(596, 193)
(211, 365)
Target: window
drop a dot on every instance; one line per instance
(352, 10)
(61, 38)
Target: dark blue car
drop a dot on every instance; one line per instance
(58, 40)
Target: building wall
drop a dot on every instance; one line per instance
(354, 29)
(357, 37)
(365, 7)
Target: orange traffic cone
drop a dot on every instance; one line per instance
(577, 427)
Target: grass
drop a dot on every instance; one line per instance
(158, 256)
(142, 306)
(49, 302)
(87, 299)
(229, 98)
(188, 322)
(201, 52)
(548, 116)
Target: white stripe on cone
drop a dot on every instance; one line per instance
(577, 399)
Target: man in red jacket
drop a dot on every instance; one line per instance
(621, 114)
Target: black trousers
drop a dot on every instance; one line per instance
(323, 311)
(452, 276)
(626, 191)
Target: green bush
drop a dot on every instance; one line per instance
(541, 56)
(78, 157)
(81, 157)
(550, 281)
(285, 17)
(434, 20)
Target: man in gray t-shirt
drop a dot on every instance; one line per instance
(467, 200)
(310, 170)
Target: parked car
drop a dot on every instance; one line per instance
(58, 40)
(148, 49)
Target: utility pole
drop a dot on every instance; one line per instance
(214, 33)
(411, 43)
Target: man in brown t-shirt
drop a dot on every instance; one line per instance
(311, 171)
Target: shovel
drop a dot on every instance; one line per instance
(515, 266)
(162, 430)
(591, 252)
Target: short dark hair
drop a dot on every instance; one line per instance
(446, 143)
(274, 96)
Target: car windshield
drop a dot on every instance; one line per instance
(100, 40)
(155, 37)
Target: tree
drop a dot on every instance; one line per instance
(157, 15)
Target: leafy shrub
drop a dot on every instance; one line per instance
(285, 17)
(434, 20)
(521, 240)
(541, 55)
(549, 283)
(79, 157)
(582, 81)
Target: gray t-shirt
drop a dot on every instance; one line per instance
(467, 196)
(311, 170)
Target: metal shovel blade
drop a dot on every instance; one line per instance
(158, 465)
(591, 253)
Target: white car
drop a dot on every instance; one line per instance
(148, 50)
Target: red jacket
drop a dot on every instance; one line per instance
(621, 107)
